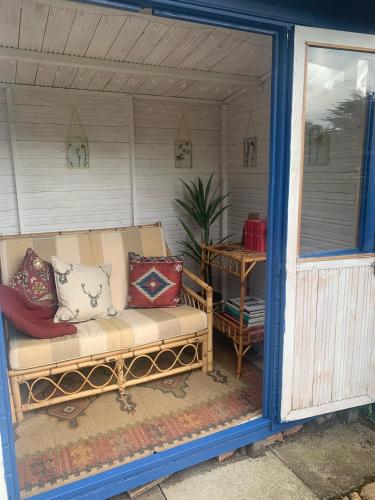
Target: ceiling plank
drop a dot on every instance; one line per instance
(147, 42)
(104, 36)
(81, 33)
(45, 75)
(122, 67)
(33, 24)
(10, 11)
(7, 71)
(127, 37)
(58, 28)
(26, 72)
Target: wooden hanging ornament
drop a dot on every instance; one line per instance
(183, 146)
(77, 145)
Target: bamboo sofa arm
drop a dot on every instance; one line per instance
(190, 297)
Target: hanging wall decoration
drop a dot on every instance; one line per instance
(77, 145)
(318, 145)
(183, 146)
(250, 144)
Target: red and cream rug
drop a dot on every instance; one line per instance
(71, 441)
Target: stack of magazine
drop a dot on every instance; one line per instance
(254, 310)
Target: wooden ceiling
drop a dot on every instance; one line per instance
(67, 44)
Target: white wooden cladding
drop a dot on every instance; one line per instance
(334, 333)
(8, 206)
(248, 187)
(98, 34)
(158, 181)
(123, 184)
(329, 339)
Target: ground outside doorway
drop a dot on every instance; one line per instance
(327, 460)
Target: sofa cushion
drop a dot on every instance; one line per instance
(134, 327)
(84, 292)
(154, 281)
(34, 280)
(88, 248)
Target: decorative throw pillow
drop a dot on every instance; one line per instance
(154, 281)
(83, 291)
(35, 281)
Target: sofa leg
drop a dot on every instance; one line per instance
(120, 376)
(15, 400)
(204, 354)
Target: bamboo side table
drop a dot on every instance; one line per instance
(237, 261)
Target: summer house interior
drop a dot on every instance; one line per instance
(105, 114)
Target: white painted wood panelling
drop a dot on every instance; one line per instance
(8, 205)
(76, 29)
(54, 197)
(335, 317)
(248, 187)
(158, 181)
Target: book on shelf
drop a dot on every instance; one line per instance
(251, 304)
(255, 327)
(249, 319)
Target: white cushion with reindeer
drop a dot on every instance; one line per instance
(83, 291)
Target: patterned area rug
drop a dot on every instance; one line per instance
(68, 442)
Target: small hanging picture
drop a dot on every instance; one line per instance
(76, 143)
(77, 153)
(250, 151)
(183, 154)
(318, 145)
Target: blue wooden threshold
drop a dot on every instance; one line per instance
(131, 475)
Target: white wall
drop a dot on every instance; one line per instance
(248, 187)
(53, 197)
(158, 181)
(8, 204)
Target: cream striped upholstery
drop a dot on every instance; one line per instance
(88, 248)
(135, 327)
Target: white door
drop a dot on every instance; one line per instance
(329, 340)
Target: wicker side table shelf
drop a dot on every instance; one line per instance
(237, 261)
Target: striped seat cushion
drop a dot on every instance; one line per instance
(134, 327)
(89, 248)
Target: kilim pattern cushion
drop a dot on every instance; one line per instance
(35, 281)
(154, 281)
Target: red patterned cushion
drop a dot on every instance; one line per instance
(35, 281)
(154, 281)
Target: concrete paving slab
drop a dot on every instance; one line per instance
(263, 478)
(331, 459)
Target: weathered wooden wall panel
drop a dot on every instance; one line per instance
(334, 332)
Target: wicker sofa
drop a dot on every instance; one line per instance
(139, 346)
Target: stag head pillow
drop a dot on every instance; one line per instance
(83, 292)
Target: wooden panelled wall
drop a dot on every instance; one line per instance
(249, 115)
(335, 325)
(52, 197)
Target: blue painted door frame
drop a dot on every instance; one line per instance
(122, 478)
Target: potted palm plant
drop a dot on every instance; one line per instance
(204, 206)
